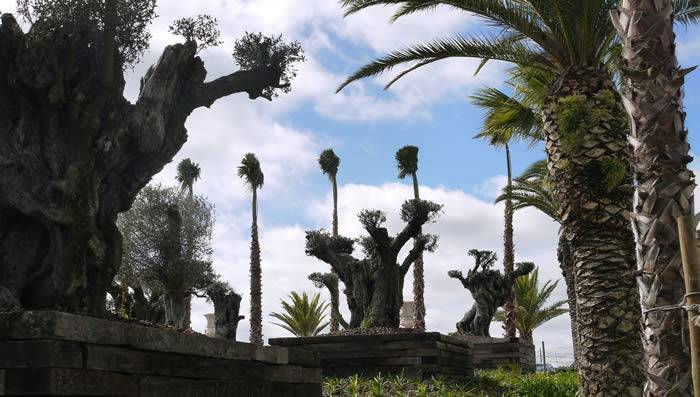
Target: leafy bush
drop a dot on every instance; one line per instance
(501, 382)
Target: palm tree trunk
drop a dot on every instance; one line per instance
(418, 276)
(335, 206)
(664, 184)
(567, 270)
(594, 221)
(509, 253)
(255, 279)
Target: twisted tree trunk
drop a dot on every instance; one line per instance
(74, 153)
(664, 184)
(585, 143)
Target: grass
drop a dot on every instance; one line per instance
(503, 382)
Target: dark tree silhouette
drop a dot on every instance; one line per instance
(74, 152)
(374, 285)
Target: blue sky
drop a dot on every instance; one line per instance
(365, 126)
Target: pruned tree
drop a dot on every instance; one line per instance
(167, 251)
(374, 285)
(74, 152)
(227, 306)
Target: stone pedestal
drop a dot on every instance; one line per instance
(408, 315)
(490, 353)
(211, 325)
(52, 353)
(414, 354)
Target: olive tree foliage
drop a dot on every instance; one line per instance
(74, 153)
(255, 51)
(52, 18)
(201, 29)
(173, 263)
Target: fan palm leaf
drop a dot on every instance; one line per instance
(302, 316)
(329, 163)
(533, 304)
(250, 172)
(188, 172)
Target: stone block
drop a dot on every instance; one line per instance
(2, 382)
(68, 382)
(40, 353)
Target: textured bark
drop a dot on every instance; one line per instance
(74, 153)
(227, 306)
(419, 293)
(418, 276)
(509, 327)
(335, 206)
(594, 221)
(175, 308)
(256, 336)
(330, 281)
(567, 270)
(664, 184)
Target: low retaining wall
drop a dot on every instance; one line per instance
(490, 353)
(413, 354)
(53, 353)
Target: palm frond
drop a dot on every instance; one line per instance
(301, 316)
(492, 47)
(329, 163)
(188, 172)
(251, 172)
(407, 161)
(686, 12)
(505, 118)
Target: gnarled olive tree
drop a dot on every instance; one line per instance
(74, 152)
(374, 285)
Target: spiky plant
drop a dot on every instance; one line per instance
(533, 305)
(665, 184)
(253, 177)
(407, 162)
(301, 316)
(188, 172)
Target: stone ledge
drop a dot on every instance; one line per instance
(50, 353)
(71, 327)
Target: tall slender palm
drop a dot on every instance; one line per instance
(532, 190)
(188, 173)
(254, 178)
(585, 139)
(664, 183)
(506, 118)
(533, 307)
(407, 161)
(329, 163)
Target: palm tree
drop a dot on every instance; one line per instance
(533, 308)
(585, 139)
(253, 177)
(407, 161)
(302, 317)
(664, 183)
(532, 190)
(329, 163)
(188, 173)
(506, 118)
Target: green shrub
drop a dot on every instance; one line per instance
(505, 382)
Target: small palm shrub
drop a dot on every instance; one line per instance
(303, 316)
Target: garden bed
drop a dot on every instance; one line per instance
(492, 353)
(53, 353)
(415, 355)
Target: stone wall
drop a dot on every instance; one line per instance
(413, 354)
(52, 353)
(490, 353)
